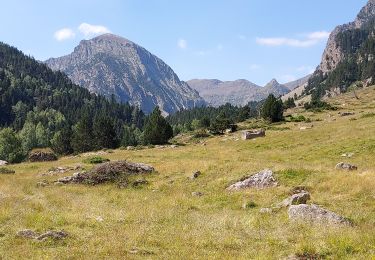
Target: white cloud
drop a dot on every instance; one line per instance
(64, 34)
(89, 30)
(309, 40)
(182, 44)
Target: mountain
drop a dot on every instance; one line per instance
(47, 110)
(239, 92)
(112, 65)
(348, 57)
(297, 83)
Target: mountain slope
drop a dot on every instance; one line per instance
(348, 57)
(239, 92)
(112, 65)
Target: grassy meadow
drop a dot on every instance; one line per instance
(162, 220)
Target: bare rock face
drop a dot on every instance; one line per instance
(3, 163)
(333, 54)
(316, 215)
(111, 65)
(260, 180)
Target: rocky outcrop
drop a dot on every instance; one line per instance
(316, 215)
(42, 155)
(260, 180)
(296, 199)
(252, 134)
(111, 65)
(3, 163)
(333, 54)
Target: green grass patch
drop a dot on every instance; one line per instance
(96, 160)
(293, 177)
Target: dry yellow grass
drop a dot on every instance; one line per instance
(163, 221)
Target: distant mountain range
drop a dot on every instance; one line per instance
(240, 92)
(112, 65)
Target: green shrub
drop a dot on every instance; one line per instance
(95, 160)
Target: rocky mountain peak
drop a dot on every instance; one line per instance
(112, 65)
(333, 55)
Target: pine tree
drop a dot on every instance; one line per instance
(83, 138)
(10, 146)
(157, 129)
(104, 132)
(272, 109)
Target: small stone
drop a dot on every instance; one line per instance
(42, 183)
(348, 155)
(196, 194)
(296, 199)
(265, 210)
(195, 175)
(57, 235)
(346, 166)
(99, 219)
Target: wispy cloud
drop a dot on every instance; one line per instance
(308, 40)
(64, 34)
(89, 30)
(182, 44)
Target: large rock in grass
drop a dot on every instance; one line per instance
(42, 155)
(316, 215)
(107, 172)
(260, 180)
(52, 234)
(3, 163)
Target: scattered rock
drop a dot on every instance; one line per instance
(42, 155)
(130, 148)
(91, 154)
(251, 134)
(315, 214)
(296, 199)
(260, 180)
(107, 172)
(3, 163)
(61, 170)
(196, 194)
(139, 182)
(99, 219)
(265, 210)
(195, 175)
(348, 155)
(43, 183)
(346, 166)
(173, 146)
(30, 234)
(306, 127)
(346, 114)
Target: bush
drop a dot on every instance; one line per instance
(4, 170)
(298, 118)
(200, 134)
(96, 160)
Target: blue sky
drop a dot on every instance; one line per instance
(225, 39)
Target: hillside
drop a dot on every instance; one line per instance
(112, 65)
(239, 92)
(162, 220)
